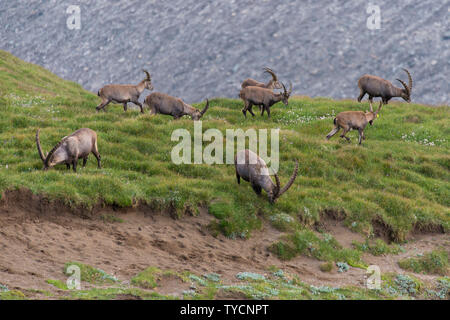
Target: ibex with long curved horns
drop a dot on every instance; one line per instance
(263, 97)
(272, 84)
(124, 93)
(253, 169)
(76, 146)
(162, 103)
(378, 87)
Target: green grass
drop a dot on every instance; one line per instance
(58, 284)
(434, 262)
(273, 284)
(12, 295)
(322, 247)
(377, 247)
(400, 175)
(147, 278)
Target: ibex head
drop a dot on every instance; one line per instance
(370, 116)
(277, 191)
(286, 94)
(197, 114)
(148, 81)
(276, 84)
(52, 158)
(406, 92)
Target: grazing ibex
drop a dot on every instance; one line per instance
(71, 148)
(378, 87)
(272, 84)
(175, 107)
(262, 97)
(124, 93)
(357, 120)
(253, 169)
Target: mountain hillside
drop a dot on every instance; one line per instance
(200, 49)
(349, 204)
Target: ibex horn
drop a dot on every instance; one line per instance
(148, 74)
(206, 108)
(404, 85)
(409, 78)
(272, 73)
(38, 144)
(290, 182)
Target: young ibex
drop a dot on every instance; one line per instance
(71, 148)
(124, 93)
(357, 120)
(378, 87)
(175, 107)
(272, 84)
(253, 169)
(262, 97)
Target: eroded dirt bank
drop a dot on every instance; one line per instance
(37, 237)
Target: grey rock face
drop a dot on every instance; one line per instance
(198, 49)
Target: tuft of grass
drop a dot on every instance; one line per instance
(12, 295)
(90, 274)
(377, 247)
(58, 284)
(326, 267)
(402, 285)
(308, 243)
(147, 278)
(116, 293)
(434, 262)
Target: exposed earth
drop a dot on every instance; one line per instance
(38, 237)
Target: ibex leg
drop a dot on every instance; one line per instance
(102, 105)
(250, 109)
(360, 135)
(344, 133)
(361, 95)
(333, 132)
(139, 104)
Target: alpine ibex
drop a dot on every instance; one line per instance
(71, 148)
(378, 87)
(124, 93)
(175, 107)
(262, 97)
(253, 169)
(272, 84)
(357, 120)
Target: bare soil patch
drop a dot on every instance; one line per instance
(37, 237)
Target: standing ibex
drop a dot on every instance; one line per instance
(175, 107)
(71, 148)
(253, 169)
(272, 84)
(124, 93)
(262, 97)
(357, 120)
(378, 87)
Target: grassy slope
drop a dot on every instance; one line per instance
(393, 175)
